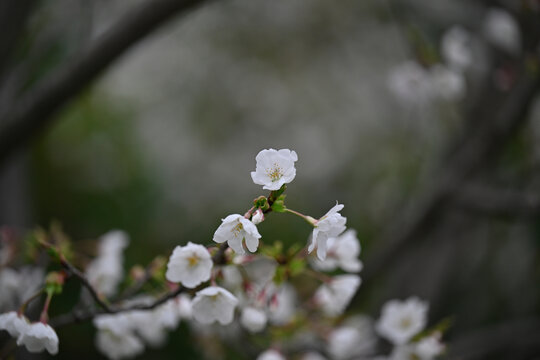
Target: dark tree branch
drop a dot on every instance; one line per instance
(84, 281)
(498, 202)
(34, 112)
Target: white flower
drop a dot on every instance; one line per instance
(17, 286)
(456, 49)
(183, 306)
(502, 30)
(148, 326)
(330, 225)
(353, 340)
(214, 304)
(116, 323)
(13, 323)
(447, 84)
(235, 229)
(336, 295)
(282, 305)
(189, 265)
(253, 319)
(270, 354)
(38, 337)
(343, 252)
(401, 320)
(118, 346)
(274, 168)
(410, 83)
(430, 347)
(106, 271)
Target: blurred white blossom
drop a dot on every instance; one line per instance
(502, 30)
(37, 337)
(214, 304)
(253, 319)
(401, 320)
(343, 252)
(106, 271)
(447, 83)
(456, 48)
(271, 354)
(334, 296)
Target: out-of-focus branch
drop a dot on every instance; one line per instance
(476, 148)
(34, 111)
(498, 202)
(513, 338)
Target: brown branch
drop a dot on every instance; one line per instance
(34, 112)
(84, 281)
(498, 202)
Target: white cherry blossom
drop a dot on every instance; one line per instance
(118, 346)
(502, 30)
(13, 323)
(352, 340)
(334, 296)
(282, 303)
(401, 320)
(270, 354)
(190, 265)
(410, 83)
(330, 225)
(106, 271)
(447, 83)
(253, 319)
(38, 337)
(343, 252)
(274, 168)
(212, 304)
(430, 347)
(237, 230)
(456, 48)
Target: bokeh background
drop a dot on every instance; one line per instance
(162, 145)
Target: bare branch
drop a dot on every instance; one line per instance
(475, 150)
(34, 112)
(84, 281)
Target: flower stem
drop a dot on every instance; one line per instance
(44, 317)
(22, 309)
(307, 218)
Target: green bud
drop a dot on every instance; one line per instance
(54, 281)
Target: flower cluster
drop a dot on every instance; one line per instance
(417, 84)
(244, 286)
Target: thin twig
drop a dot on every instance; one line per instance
(84, 281)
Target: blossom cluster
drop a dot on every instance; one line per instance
(245, 284)
(417, 84)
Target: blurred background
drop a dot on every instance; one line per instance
(438, 170)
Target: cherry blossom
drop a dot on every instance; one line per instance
(330, 225)
(237, 230)
(274, 168)
(214, 304)
(190, 265)
(37, 337)
(401, 320)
